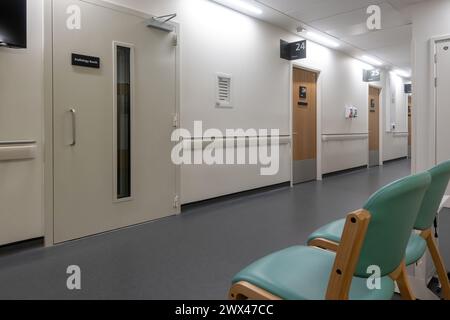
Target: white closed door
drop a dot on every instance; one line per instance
(114, 102)
(443, 102)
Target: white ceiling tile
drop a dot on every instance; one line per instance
(401, 4)
(353, 23)
(399, 55)
(381, 38)
(311, 10)
(346, 20)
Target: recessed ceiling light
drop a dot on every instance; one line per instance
(322, 39)
(372, 60)
(240, 6)
(366, 66)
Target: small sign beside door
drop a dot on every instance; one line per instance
(372, 105)
(303, 92)
(85, 61)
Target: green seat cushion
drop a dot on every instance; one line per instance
(302, 273)
(331, 231)
(415, 250)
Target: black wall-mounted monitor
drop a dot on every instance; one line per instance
(13, 23)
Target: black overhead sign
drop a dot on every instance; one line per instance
(293, 51)
(408, 88)
(371, 75)
(85, 61)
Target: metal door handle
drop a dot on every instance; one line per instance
(73, 112)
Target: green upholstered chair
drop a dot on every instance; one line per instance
(376, 235)
(330, 235)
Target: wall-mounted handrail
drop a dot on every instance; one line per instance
(17, 150)
(345, 137)
(283, 140)
(16, 142)
(401, 134)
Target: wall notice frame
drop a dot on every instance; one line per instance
(303, 94)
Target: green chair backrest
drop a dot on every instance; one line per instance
(393, 210)
(440, 176)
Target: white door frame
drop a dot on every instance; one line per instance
(48, 106)
(300, 65)
(433, 89)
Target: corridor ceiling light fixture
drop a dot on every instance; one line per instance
(240, 5)
(366, 66)
(372, 60)
(402, 73)
(322, 39)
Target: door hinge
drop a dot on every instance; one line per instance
(176, 202)
(175, 121)
(435, 58)
(435, 82)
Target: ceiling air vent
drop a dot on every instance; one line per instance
(224, 92)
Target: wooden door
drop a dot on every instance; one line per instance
(304, 125)
(374, 126)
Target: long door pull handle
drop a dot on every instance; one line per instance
(73, 112)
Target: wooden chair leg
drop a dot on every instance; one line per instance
(401, 277)
(246, 291)
(438, 263)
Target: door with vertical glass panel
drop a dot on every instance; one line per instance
(304, 125)
(113, 120)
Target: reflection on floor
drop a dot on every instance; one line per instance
(194, 255)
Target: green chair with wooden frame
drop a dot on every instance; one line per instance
(376, 235)
(329, 236)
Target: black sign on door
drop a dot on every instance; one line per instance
(293, 51)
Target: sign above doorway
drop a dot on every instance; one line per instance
(371, 75)
(293, 51)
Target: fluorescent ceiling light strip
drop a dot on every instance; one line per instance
(366, 66)
(371, 60)
(240, 5)
(322, 39)
(402, 73)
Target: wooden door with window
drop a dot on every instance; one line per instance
(374, 126)
(304, 125)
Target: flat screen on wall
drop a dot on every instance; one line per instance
(13, 23)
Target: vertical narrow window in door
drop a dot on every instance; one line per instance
(123, 118)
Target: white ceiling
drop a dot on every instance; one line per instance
(346, 20)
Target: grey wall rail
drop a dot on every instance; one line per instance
(345, 137)
(190, 142)
(17, 150)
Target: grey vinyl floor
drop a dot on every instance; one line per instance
(194, 255)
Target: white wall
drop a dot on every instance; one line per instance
(216, 39)
(21, 114)
(213, 39)
(430, 19)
